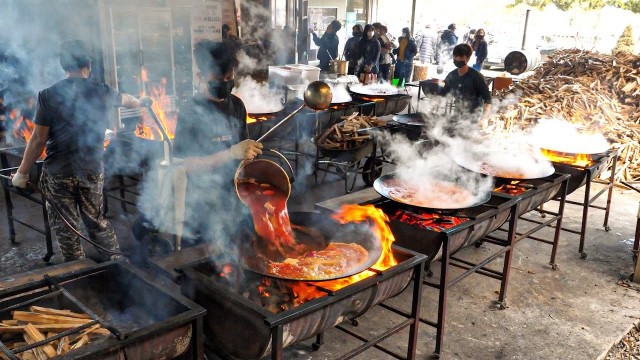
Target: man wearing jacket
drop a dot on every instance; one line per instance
(328, 44)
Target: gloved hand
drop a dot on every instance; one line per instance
(246, 150)
(19, 180)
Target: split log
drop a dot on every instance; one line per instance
(46, 319)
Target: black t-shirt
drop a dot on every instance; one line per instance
(204, 128)
(76, 110)
(470, 89)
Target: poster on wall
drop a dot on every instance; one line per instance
(207, 18)
(319, 19)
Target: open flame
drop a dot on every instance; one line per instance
(374, 99)
(568, 158)
(253, 118)
(23, 129)
(513, 188)
(147, 129)
(379, 224)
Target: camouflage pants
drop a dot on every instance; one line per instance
(79, 200)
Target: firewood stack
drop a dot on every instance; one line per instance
(40, 323)
(585, 88)
(348, 134)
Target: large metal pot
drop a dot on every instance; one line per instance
(338, 67)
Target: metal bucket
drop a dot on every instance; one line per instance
(338, 67)
(266, 171)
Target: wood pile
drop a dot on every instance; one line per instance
(40, 323)
(597, 90)
(348, 134)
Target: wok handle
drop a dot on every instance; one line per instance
(261, 138)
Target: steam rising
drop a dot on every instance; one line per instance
(562, 136)
(257, 97)
(422, 168)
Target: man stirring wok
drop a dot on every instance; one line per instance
(211, 138)
(70, 121)
(468, 86)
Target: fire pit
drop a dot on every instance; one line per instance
(145, 321)
(584, 170)
(440, 234)
(277, 313)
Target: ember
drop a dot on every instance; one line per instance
(428, 220)
(253, 118)
(582, 160)
(513, 188)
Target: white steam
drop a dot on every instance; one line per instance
(562, 136)
(426, 169)
(383, 88)
(257, 97)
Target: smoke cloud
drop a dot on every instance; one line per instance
(257, 97)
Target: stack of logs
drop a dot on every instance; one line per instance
(40, 323)
(595, 90)
(348, 134)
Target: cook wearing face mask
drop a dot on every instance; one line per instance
(467, 86)
(210, 140)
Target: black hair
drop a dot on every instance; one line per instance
(358, 27)
(74, 55)
(335, 24)
(451, 26)
(463, 50)
(216, 57)
(407, 31)
(363, 40)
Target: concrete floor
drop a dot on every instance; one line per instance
(577, 312)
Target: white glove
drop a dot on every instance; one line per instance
(246, 150)
(19, 180)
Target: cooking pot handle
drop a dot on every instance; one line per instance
(292, 177)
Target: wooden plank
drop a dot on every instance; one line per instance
(36, 335)
(49, 311)
(42, 327)
(46, 319)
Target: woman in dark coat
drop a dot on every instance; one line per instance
(369, 48)
(480, 47)
(351, 53)
(406, 51)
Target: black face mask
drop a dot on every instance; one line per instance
(479, 37)
(356, 33)
(220, 89)
(459, 63)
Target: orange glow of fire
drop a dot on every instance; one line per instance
(566, 158)
(511, 188)
(252, 119)
(366, 98)
(23, 129)
(226, 270)
(380, 228)
(161, 106)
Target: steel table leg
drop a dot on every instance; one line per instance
(506, 269)
(585, 213)
(612, 180)
(418, 273)
(276, 343)
(442, 298)
(558, 230)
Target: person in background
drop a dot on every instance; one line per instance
(448, 39)
(70, 122)
(328, 44)
(351, 53)
(469, 37)
(467, 86)
(480, 48)
(369, 50)
(211, 139)
(427, 44)
(387, 44)
(405, 52)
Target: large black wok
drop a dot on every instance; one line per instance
(316, 231)
(387, 186)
